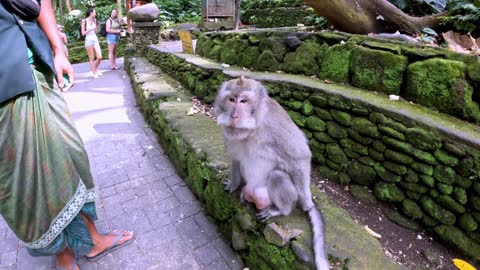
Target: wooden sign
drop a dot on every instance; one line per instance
(186, 38)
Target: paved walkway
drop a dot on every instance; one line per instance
(138, 188)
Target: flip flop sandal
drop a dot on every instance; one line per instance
(112, 247)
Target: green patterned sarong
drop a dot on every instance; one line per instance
(45, 178)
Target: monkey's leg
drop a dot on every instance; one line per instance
(283, 195)
(301, 180)
(233, 183)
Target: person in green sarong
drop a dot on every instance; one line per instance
(47, 192)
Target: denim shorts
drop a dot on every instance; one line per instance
(112, 38)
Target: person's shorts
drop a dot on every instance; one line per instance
(90, 42)
(112, 38)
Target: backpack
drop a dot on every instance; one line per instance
(82, 37)
(103, 29)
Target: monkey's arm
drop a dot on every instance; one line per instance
(233, 183)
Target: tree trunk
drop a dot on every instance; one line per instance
(236, 21)
(119, 9)
(370, 16)
(68, 6)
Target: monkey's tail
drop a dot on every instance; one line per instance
(321, 259)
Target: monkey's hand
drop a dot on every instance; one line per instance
(267, 213)
(230, 185)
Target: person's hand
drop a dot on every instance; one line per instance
(63, 66)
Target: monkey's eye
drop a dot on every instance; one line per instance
(243, 101)
(231, 99)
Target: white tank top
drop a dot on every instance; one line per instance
(90, 36)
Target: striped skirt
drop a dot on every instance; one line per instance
(45, 178)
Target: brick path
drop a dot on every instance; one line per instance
(138, 189)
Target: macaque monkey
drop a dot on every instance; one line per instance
(270, 156)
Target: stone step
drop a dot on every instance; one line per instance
(194, 143)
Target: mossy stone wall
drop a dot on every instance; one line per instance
(432, 77)
(432, 177)
(278, 16)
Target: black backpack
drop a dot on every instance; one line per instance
(82, 37)
(103, 29)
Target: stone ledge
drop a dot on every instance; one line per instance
(195, 145)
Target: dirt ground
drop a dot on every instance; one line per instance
(413, 249)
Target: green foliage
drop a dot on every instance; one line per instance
(178, 11)
(465, 15)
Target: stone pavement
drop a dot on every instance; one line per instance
(138, 188)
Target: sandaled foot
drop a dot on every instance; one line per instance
(110, 242)
(74, 266)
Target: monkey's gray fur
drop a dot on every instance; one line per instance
(270, 156)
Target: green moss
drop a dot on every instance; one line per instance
(378, 70)
(386, 175)
(218, 203)
(412, 209)
(424, 156)
(396, 168)
(397, 157)
(439, 84)
(339, 102)
(377, 118)
(391, 132)
(476, 187)
(413, 195)
(323, 114)
(365, 127)
(444, 174)
(301, 94)
(336, 131)
(411, 176)
(214, 54)
(475, 202)
(422, 168)
(267, 62)
(316, 124)
(285, 94)
(328, 173)
(354, 146)
(304, 60)
(458, 239)
(265, 256)
(295, 104)
(445, 188)
(463, 182)
(323, 137)
(374, 154)
(455, 149)
(362, 194)
(436, 211)
(341, 117)
(336, 63)
(417, 188)
(428, 221)
(460, 195)
(318, 101)
(361, 174)
(297, 118)
(398, 145)
(450, 204)
(351, 154)
(401, 220)
(249, 57)
(334, 166)
(307, 108)
(388, 192)
(379, 146)
(445, 158)
(427, 180)
(433, 193)
(336, 154)
(465, 166)
(366, 161)
(359, 138)
(423, 139)
(468, 223)
(229, 52)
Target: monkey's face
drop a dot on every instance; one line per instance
(237, 110)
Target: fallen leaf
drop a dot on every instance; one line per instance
(328, 81)
(463, 265)
(371, 232)
(462, 43)
(193, 110)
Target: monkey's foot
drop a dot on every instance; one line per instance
(229, 185)
(267, 213)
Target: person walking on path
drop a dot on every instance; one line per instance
(63, 38)
(113, 36)
(90, 27)
(46, 187)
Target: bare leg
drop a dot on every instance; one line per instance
(111, 55)
(91, 58)
(115, 54)
(102, 241)
(65, 259)
(98, 53)
(282, 193)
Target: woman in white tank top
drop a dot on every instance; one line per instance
(89, 30)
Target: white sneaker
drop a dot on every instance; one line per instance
(95, 76)
(99, 73)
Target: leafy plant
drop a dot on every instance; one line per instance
(178, 11)
(464, 15)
